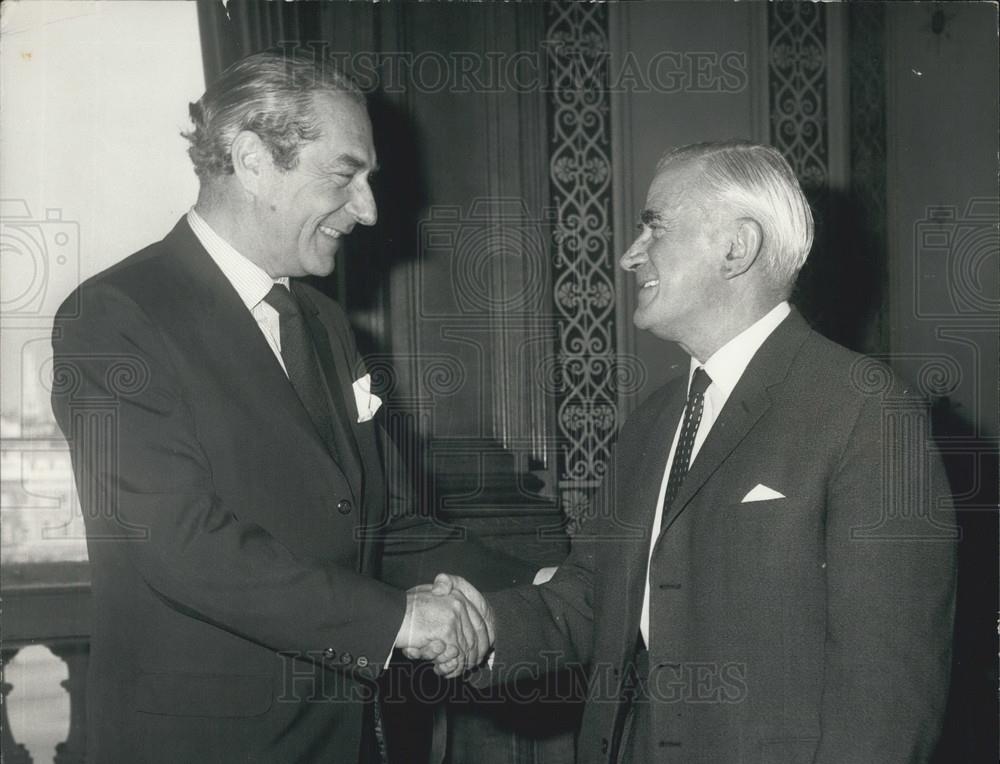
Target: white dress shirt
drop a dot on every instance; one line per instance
(724, 368)
(250, 281)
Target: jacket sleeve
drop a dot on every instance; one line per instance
(540, 629)
(146, 486)
(544, 628)
(890, 565)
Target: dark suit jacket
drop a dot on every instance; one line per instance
(811, 628)
(236, 615)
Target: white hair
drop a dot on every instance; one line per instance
(758, 183)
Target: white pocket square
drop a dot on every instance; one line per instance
(761, 492)
(368, 402)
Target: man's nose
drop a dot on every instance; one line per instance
(362, 205)
(635, 255)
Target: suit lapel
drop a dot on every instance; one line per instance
(745, 406)
(336, 372)
(654, 457)
(216, 310)
(339, 373)
(638, 486)
(232, 324)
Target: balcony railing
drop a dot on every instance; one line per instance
(48, 605)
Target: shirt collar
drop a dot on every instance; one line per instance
(250, 281)
(728, 363)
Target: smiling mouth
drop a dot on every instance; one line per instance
(649, 284)
(333, 233)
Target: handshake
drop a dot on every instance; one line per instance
(448, 622)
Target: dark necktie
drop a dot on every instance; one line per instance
(685, 444)
(299, 355)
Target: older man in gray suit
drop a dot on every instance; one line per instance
(737, 596)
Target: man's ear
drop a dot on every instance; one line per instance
(250, 161)
(743, 249)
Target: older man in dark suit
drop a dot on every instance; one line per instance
(232, 498)
(745, 591)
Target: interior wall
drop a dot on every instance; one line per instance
(944, 302)
(942, 190)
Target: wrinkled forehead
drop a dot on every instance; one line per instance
(675, 188)
(345, 126)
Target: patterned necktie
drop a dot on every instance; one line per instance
(299, 355)
(685, 444)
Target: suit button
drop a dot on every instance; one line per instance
(344, 506)
(346, 658)
(362, 662)
(604, 745)
(329, 653)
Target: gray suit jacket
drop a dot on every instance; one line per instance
(811, 628)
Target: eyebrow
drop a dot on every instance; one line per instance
(648, 217)
(353, 162)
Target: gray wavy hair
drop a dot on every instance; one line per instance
(270, 94)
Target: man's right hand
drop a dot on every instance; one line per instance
(442, 625)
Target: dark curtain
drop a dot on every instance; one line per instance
(232, 31)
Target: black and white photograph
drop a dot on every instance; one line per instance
(499, 382)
